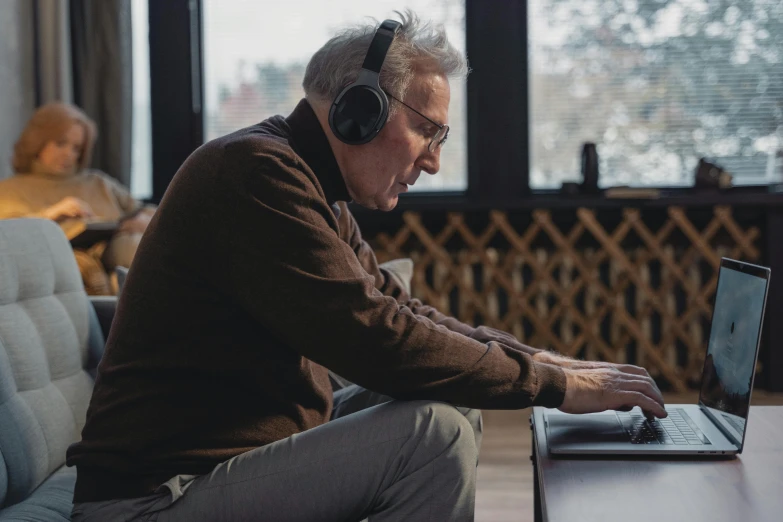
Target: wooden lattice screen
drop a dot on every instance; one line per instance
(629, 294)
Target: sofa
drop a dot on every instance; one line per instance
(51, 339)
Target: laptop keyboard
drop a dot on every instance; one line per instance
(676, 429)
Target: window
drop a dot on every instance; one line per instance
(141, 155)
(255, 54)
(656, 84)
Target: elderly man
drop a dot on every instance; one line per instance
(213, 399)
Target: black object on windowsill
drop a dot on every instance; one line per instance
(589, 184)
(589, 169)
(711, 176)
(570, 188)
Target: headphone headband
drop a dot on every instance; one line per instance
(360, 111)
(379, 46)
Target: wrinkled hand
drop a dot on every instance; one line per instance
(617, 383)
(69, 207)
(591, 390)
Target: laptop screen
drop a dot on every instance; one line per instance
(727, 378)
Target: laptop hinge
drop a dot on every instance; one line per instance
(720, 426)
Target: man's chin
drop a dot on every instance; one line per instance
(384, 204)
(389, 204)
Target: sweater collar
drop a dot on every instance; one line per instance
(309, 141)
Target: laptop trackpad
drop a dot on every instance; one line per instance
(593, 427)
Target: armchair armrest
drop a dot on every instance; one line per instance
(105, 306)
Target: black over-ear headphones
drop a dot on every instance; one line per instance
(360, 110)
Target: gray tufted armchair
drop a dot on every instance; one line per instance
(51, 339)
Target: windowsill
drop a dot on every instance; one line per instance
(687, 196)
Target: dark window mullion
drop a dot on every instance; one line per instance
(176, 87)
(498, 146)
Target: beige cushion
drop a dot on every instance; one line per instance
(402, 271)
(44, 324)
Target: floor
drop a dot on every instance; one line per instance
(504, 491)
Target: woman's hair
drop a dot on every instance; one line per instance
(50, 123)
(339, 61)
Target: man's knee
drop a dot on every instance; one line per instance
(446, 426)
(476, 422)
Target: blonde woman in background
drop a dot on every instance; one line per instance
(52, 181)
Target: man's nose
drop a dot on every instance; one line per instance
(429, 162)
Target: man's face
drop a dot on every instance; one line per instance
(377, 172)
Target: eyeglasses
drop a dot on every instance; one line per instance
(443, 130)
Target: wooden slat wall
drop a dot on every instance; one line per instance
(633, 295)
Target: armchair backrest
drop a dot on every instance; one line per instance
(45, 319)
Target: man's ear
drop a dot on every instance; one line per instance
(321, 110)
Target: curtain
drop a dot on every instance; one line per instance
(17, 75)
(53, 64)
(102, 78)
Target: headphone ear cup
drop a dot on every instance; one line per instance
(358, 114)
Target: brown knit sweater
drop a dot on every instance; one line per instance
(249, 283)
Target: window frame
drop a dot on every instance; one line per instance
(497, 106)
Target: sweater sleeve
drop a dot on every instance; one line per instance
(121, 194)
(12, 204)
(10, 209)
(289, 269)
(388, 285)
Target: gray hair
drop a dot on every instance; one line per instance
(417, 43)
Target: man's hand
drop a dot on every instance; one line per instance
(603, 386)
(600, 389)
(575, 364)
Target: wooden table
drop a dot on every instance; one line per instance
(748, 488)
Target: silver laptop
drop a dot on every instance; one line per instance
(714, 426)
